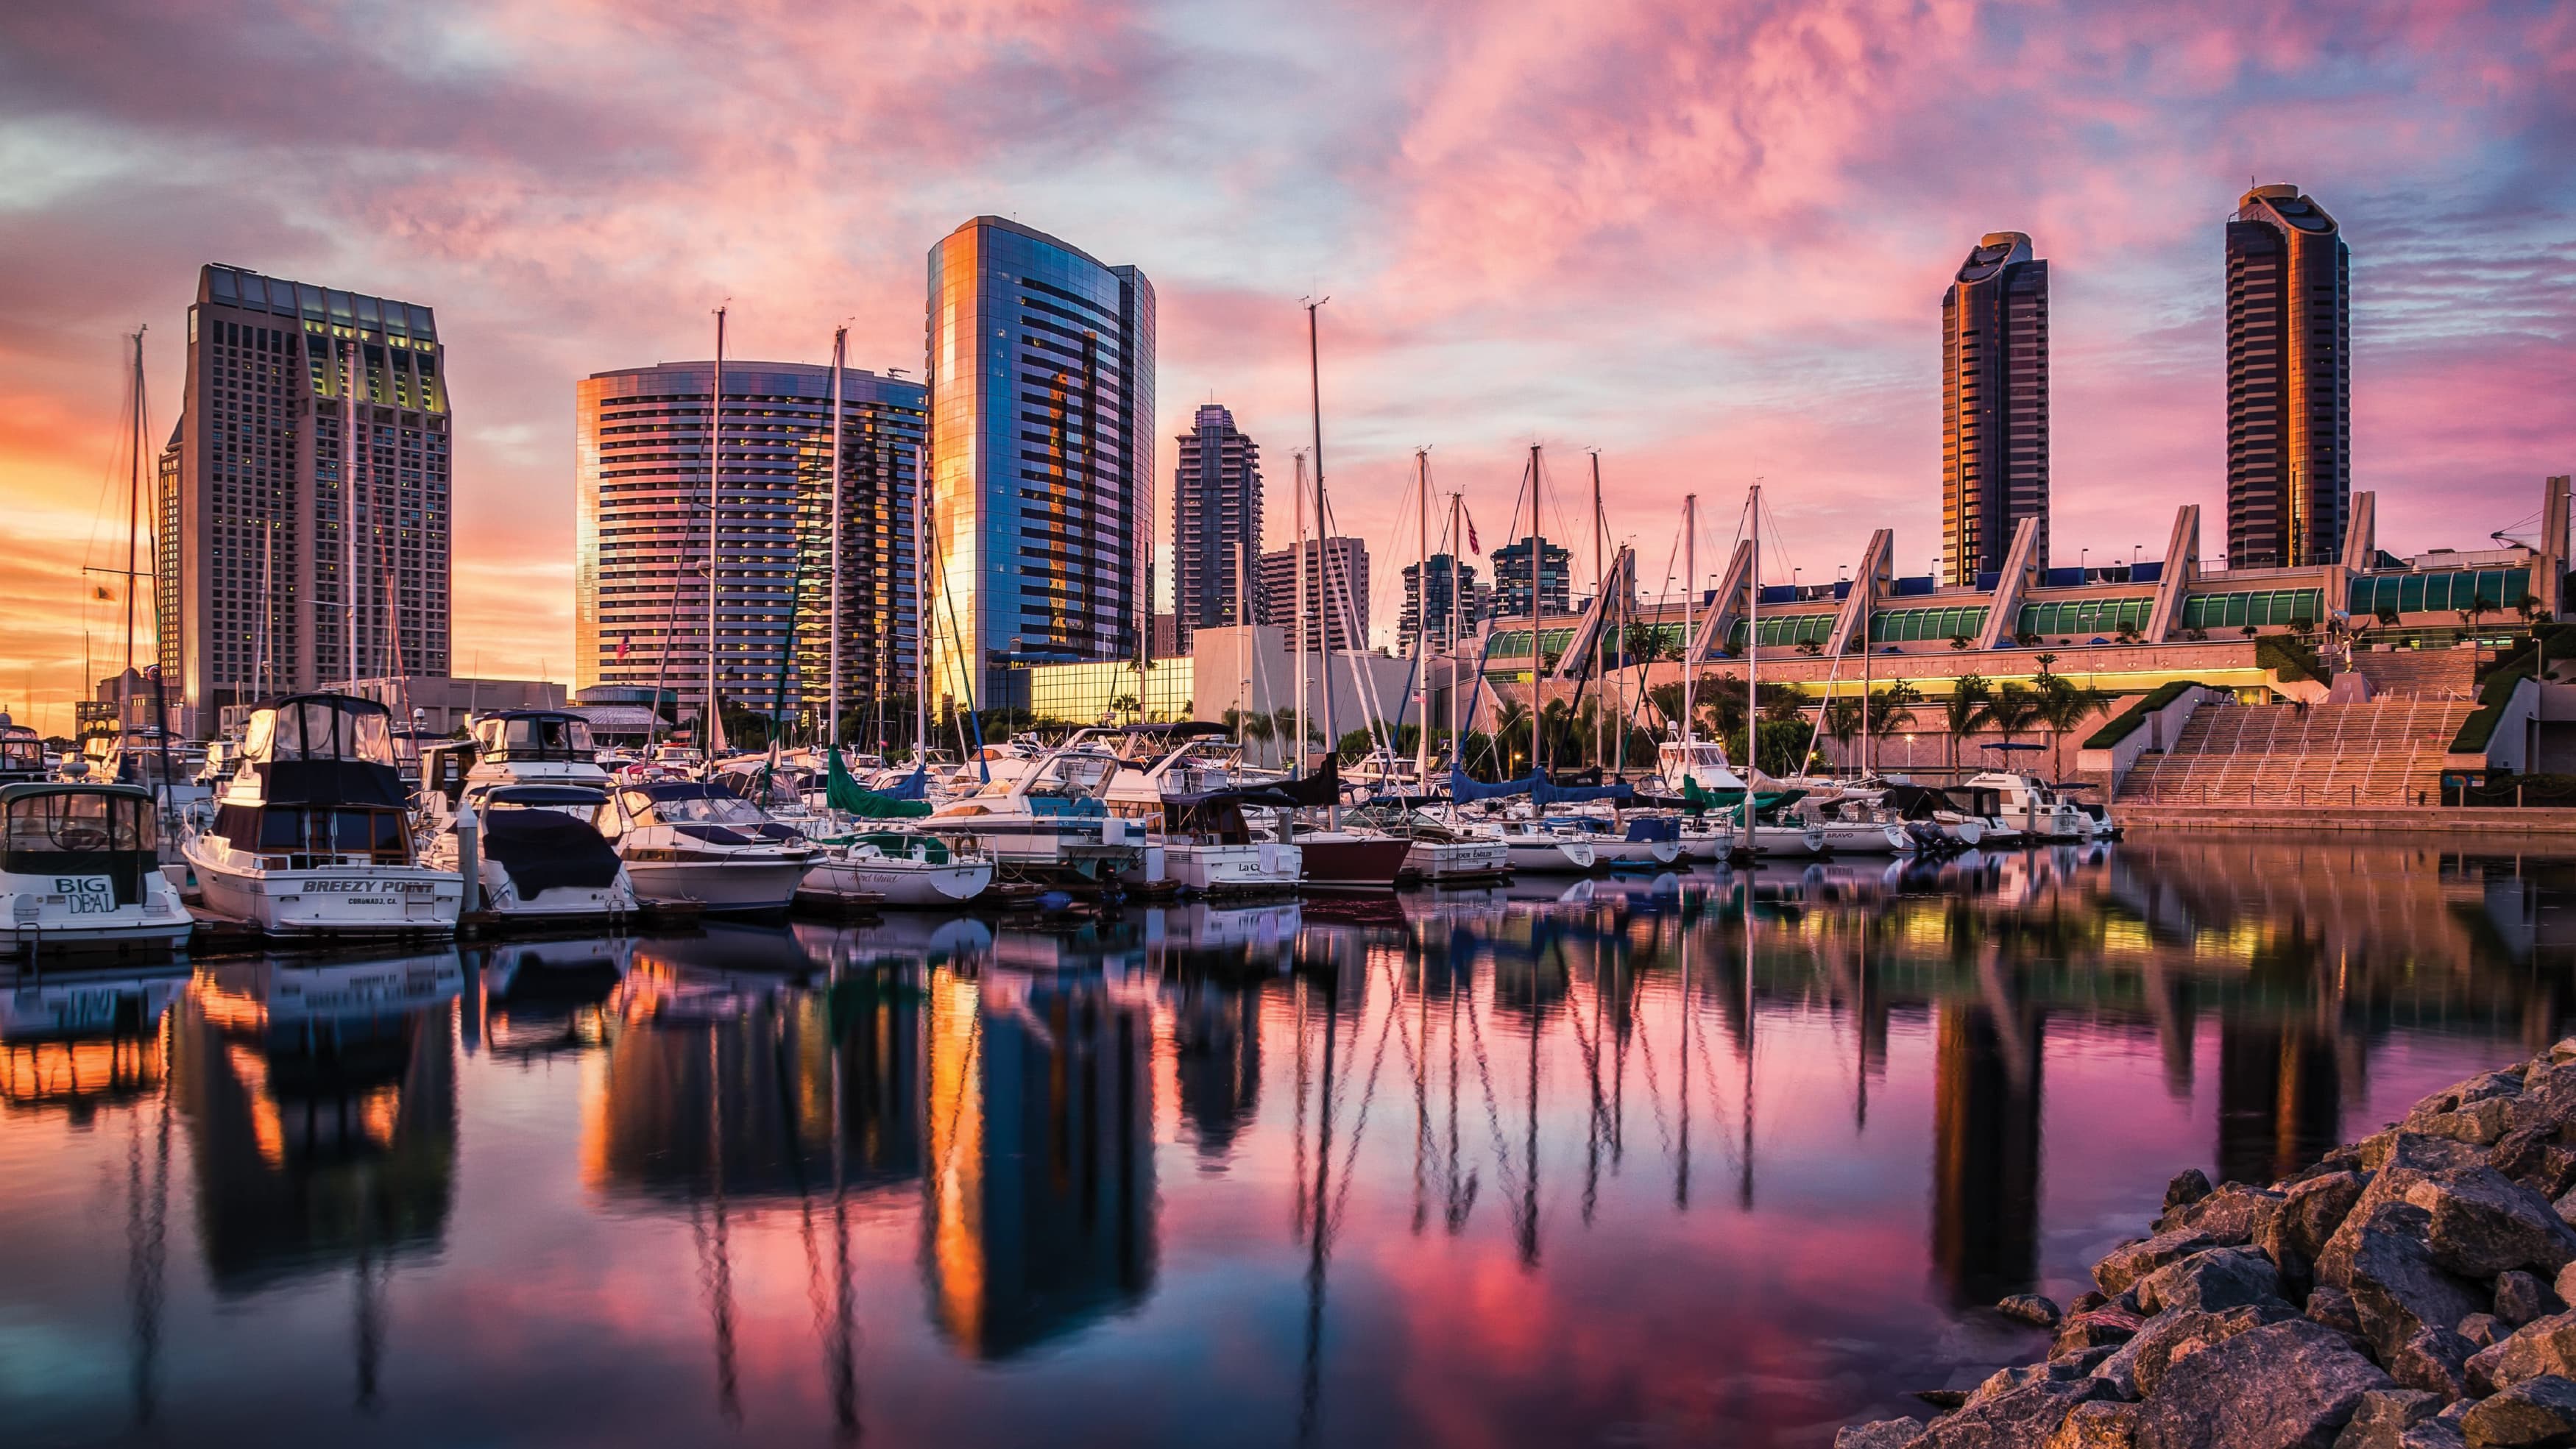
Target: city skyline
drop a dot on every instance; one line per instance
(1482, 236)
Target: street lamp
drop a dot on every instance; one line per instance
(2082, 555)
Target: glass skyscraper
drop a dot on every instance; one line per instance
(1216, 524)
(2289, 381)
(1994, 407)
(1042, 439)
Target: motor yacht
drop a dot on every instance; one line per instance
(686, 841)
(1186, 781)
(899, 868)
(1051, 822)
(80, 867)
(312, 835)
(22, 753)
(1437, 852)
(533, 783)
(2030, 811)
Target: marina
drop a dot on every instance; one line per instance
(1768, 1145)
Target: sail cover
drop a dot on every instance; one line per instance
(848, 796)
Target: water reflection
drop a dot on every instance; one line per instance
(1361, 1171)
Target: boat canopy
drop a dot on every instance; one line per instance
(535, 734)
(321, 727)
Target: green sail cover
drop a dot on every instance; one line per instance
(846, 795)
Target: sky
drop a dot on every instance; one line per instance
(1706, 238)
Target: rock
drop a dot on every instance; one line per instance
(2208, 1282)
(2480, 1125)
(2097, 1425)
(2520, 1298)
(1885, 1434)
(2434, 1361)
(2534, 1156)
(2398, 1147)
(2544, 1347)
(2112, 1324)
(2139, 1365)
(2383, 1416)
(2188, 1186)
(2535, 1411)
(2029, 1308)
(2483, 1223)
(2082, 1362)
(2012, 1419)
(2483, 1329)
(2234, 1213)
(2281, 1385)
(2565, 1206)
(2332, 1307)
(2383, 1260)
(1943, 1399)
(2563, 1050)
(2132, 1261)
(2308, 1216)
(2088, 1300)
(2566, 1283)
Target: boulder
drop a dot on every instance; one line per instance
(2308, 1215)
(1885, 1434)
(2281, 1385)
(2383, 1416)
(2566, 1282)
(2520, 1298)
(2097, 1425)
(2534, 1156)
(2234, 1213)
(2188, 1186)
(2208, 1282)
(2013, 1419)
(2483, 1223)
(2139, 1365)
(2398, 1147)
(2029, 1308)
(2088, 1300)
(2130, 1262)
(2112, 1324)
(2565, 1206)
(2563, 1050)
(2545, 1346)
(2483, 1329)
(2535, 1411)
(2482, 1124)
(2383, 1259)
(2332, 1307)
(2434, 1361)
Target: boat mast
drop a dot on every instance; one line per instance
(832, 630)
(1297, 631)
(133, 526)
(1315, 396)
(1753, 669)
(1600, 608)
(1422, 618)
(1867, 603)
(1690, 600)
(715, 453)
(349, 506)
(1457, 650)
(1538, 546)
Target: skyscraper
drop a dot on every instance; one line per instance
(1337, 593)
(639, 587)
(264, 532)
(2289, 380)
(1216, 523)
(1041, 438)
(1512, 579)
(1452, 602)
(1994, 406)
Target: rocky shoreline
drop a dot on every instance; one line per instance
(2411, 1291)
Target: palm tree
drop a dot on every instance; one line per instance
(2062, 707)
(2012, 708)
(1124, 704)
(1841, 723)
(1259, 727)
(1511, 724)
(1890, 710)
(1964, 712)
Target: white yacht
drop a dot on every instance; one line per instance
(2030, 811)
(536, 790)
(1535, 847)
(1186, 782)
(312, 836)
(1052, 821)
(687, 841)
(79, 867)
(22, 753)
(899, 868)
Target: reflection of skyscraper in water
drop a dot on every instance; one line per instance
(2280, 1098)
(741, 1097)
(1985, 1151)
(321, 1102)
(1216, 1032)
(1038, 1216)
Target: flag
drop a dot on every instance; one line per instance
(621, 649)
(1472, 545)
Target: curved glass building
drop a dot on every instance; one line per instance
(1994, 406)
(1042, 449)
(2289, 381)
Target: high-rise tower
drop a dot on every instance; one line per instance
(305, 517)
(1994, 406)
(1216, 524)
(2289, 381)
(1041, 444)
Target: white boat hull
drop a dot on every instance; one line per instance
(1441, 861)
(1233, 869)
(1544, 856)
(557, 903)
(34, 916)
(761, 883)
(897, 881)
(337, 900)
(1865, 837)
(1636, 854)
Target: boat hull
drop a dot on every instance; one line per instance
(1636, 854)
(346, 900)
(1219, 870)
(1352, 862)
(746, 884)
(560, 905)
(1458, 862)
(894, 881)
(1550, 857)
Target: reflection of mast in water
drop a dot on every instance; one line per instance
(1310, 1385)
(715, 1250)
(146, 1237)
(1744, 1180)
(1986, 1147)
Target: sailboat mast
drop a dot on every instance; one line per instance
(1422, 617)
(1753, 670)
(1601, 610)
(715, 455)
(1457, 627)
(832, 629)
(1867, 604)
(1690, 600)
(1315, 396)
(1538, 546)
(133, 526)
(1297, 630)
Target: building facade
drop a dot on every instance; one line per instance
(2289, 381)
(640, 585)
(304, 516)
(1994, 406)
(1512, 578)
(1216, 524)
(1452, 593)
(1337, 593)
(1042, 429)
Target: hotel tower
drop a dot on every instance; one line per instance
(1994, 407)
(2289, 381)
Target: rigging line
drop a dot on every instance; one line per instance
(1493, 1110)
(1359, 1124)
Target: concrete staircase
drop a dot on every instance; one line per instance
(2385, 753)
(2420, 673)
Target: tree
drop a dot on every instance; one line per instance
(1511, 729)
(2012, 708)
(1964, 712)
(1124, 704)
(1783, 703)
(2479, 607)
(2025, 638)
(1891, 709)
(1259, 727)
(1842, 723)
(2249, 631)
(2064, 705)
(1958, 641)
(1283, 728)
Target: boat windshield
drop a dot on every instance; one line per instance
(1071, 775)
(537, 737)
(710, 809)
(80, 821)
(21, 752)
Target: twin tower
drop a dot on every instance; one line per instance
(2289, 391)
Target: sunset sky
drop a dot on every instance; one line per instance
(1708, 239)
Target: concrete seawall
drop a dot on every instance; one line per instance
(2458, 820)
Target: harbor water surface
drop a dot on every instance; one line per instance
(1709, 1158)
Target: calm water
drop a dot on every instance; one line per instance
(1676, 1161)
